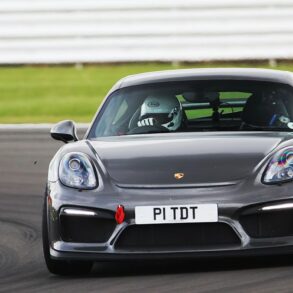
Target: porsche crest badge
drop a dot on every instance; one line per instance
(178, 176)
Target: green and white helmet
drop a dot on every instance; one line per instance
(165, 110)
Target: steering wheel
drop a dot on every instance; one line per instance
(148, 129)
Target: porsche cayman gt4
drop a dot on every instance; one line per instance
(176, 164)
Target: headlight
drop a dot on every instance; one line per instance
(280, 168)
(76, 170)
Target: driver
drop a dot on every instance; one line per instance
(165, 111)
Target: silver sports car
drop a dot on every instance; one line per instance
(176, 164)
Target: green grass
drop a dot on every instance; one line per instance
(50, 94)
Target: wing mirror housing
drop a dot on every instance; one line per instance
(64, 131)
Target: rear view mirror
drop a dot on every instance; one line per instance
(64, 131)
(201, 97)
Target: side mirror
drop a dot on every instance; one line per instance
(64, 131)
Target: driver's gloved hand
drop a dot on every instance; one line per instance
(147, 122)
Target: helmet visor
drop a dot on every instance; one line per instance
(161, 118)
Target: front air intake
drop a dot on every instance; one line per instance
(169, 237)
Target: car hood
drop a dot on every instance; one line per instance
(213, 158)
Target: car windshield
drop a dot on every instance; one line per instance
(193, 106)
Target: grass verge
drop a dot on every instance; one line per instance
(49, 94)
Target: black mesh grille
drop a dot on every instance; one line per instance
(86, 229)
(268, 224)
(177, 236)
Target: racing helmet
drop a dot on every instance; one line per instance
(166, 110)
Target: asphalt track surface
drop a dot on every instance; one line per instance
(24, 160)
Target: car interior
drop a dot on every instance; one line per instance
(206, 106)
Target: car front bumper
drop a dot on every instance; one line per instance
(252, 227)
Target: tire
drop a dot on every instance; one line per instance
(60, 267)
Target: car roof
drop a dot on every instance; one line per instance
(206, 74)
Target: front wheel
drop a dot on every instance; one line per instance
(60, 267)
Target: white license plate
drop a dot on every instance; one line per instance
(199, 213)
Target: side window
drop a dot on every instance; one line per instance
(234, 95)
(121, 111)
(194, 114)
(229, 102)
(230, 98)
